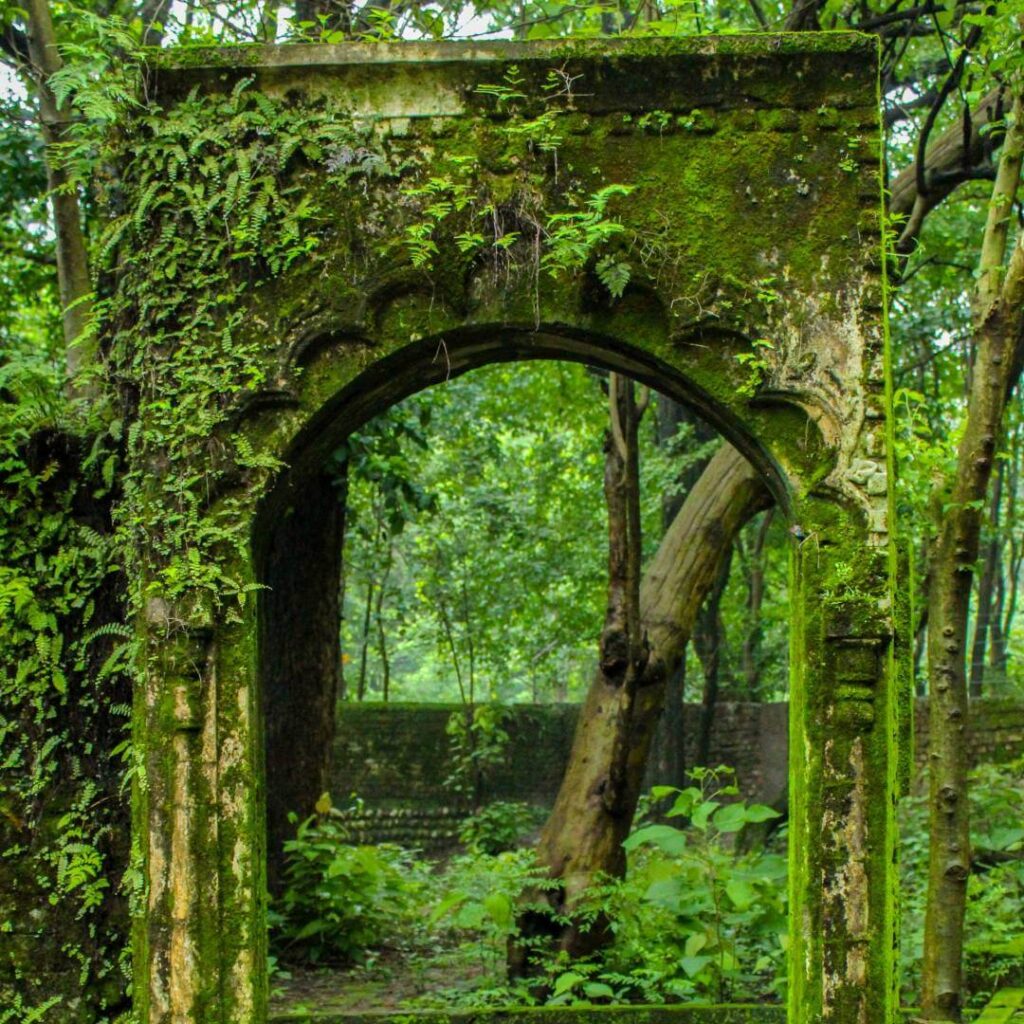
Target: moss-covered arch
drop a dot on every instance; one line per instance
(703, 214)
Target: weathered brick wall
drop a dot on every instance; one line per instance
(997, 731)
(395, 757)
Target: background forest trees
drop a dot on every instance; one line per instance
(950, 85)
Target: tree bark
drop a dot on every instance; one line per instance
(998, 322)
(953, 158)
(987, 592)
(73, 278)
(708, 640)
(755, 604)
(152, 14)
(584, 834)
(668, 756)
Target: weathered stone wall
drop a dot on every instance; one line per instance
(395, 757)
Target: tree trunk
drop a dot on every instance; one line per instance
(755, 604)
(708, 639)
(72, 257)
(668, 756)
(950, 160)
(592, 815)
(998, 314)
(1009, 571)
(382, 640)
(986, 592)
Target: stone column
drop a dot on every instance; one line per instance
(200, 939)
(843, 774)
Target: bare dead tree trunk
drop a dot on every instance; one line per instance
(72, 256)
(999, 300)
(592, 814)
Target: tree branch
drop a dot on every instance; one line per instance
(944, 163)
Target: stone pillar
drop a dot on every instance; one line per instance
(843, 776)
(177, 978)
(200, 935)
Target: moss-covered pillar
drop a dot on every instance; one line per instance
(843, 772)
(200, 922)
(177, 977)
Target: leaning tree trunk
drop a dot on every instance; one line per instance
(668, 755)
(593, 810)
(998, 326)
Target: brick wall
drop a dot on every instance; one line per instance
(395, 757)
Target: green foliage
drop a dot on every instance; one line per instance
(995, 890)
(573, 238)
(207, 197)
(499, 826)
(722, 914)
(62, 678)
(693, 919)
(478, 742)
(340, 901)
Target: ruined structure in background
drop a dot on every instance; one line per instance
(701, 214)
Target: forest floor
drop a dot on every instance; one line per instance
(395, 980)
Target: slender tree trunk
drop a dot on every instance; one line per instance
(593, 812)
(72, 256)
(755, 604)
(153, 13)
(708, 640)
(364, 647)
(268, 21)
(986, 591)
(998, 314)
(382, 641)
(1009, 569)
(920, 646)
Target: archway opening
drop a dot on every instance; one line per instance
(481, 499)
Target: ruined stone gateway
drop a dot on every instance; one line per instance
(701, 214)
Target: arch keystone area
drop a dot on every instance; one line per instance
(356, 222)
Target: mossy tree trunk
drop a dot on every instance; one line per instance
(601, 786)
(960, 507)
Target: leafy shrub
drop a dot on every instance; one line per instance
(498, 827)
(693, 919)
(340, 901)
(479, 741)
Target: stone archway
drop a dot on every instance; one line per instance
(701, 214)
